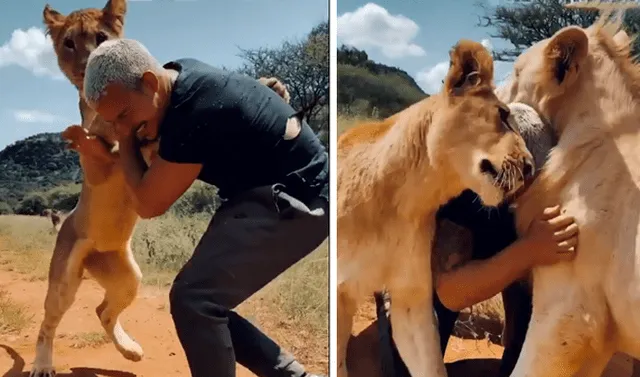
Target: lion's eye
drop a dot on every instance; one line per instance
(101, 37)
(68, 43)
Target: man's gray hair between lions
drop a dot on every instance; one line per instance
(117, 61)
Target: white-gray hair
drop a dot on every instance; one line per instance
(120, 61)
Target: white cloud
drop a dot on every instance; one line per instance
(36, 116)
(371, 26)
(487, 44)
(32, 50)
(430, 78)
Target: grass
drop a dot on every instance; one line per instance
(13, 317)
(92, 339)
(483, 320)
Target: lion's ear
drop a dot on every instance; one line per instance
(566, 50)
(470, 66)
(53, 19)
(116, 9)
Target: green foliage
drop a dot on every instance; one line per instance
(370, 89)
(199, 199)
(303, 66)
(32, 204)
(5, 209)
(36, 164)
(63, 198)
(523, 25)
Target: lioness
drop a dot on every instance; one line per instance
(586, 83)
(390, 189)
(96, 235)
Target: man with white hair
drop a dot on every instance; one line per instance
(271, 171)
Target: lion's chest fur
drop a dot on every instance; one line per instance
(105, 213)
(597, 183)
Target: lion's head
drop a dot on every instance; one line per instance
(578, 75)
(471, 134)
(77, 34)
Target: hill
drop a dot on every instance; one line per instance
(37, 163)
(38, 173)
(371, 89)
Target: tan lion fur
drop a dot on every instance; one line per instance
(96, 235)
(393, 177)
(586, 83)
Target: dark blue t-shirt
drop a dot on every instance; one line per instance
(234, 127)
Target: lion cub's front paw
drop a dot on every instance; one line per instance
(78, 139)
(75, 135)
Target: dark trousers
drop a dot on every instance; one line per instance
(250, 241)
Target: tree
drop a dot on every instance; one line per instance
(524, 24)
(304, 68)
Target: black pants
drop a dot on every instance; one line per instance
(250, 241)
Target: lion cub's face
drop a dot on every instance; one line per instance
(473, 134)
(76, 35)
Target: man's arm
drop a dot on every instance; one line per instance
(467, 284)
(155, 188)
(550, 239)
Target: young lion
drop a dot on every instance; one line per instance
(390, 189)
(96, 235)
(586, 82)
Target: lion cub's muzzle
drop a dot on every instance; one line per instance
(511, 175)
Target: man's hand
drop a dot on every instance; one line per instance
(551, 238)
(78, 139)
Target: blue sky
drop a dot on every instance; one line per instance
(415, 35)
(36, 99)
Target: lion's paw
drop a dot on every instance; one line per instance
(132, 351)
(42, 371)
(74, 133)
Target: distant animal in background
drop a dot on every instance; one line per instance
(55, 216)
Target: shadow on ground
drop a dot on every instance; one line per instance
(363, 359)
(17, 369)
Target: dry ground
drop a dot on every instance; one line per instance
(292, 310)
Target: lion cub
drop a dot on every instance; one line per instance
(96, 235)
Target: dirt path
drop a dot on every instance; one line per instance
(464, 357)
(79, 350)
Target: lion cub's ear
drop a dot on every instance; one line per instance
(116, 9)
(470, 66)
(566, 50)
(53, 19)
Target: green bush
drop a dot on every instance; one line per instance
(63, 198)
(5, 209)
(32, 204)
(200, 198)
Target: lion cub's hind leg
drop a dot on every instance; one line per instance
(65, 276)
(119, 274)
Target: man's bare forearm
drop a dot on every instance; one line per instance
(479, 280)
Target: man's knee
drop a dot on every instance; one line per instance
(191, 302)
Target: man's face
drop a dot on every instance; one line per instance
(130, 109)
